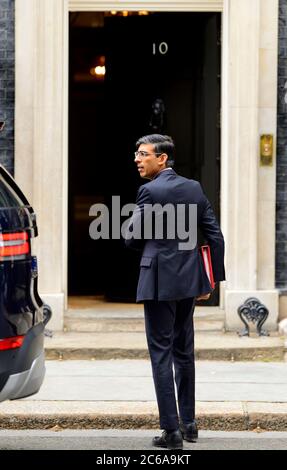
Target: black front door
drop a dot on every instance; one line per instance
(162, 76)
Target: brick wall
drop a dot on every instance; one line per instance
(7, 85)
(281, 196)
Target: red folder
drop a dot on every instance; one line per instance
(205, 253)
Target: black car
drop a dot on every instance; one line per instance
(23, 315)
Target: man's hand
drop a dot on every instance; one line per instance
(203, 297)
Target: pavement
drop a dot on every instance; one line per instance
(99, 376)
(230, 396)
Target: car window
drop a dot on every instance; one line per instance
(10, 193)
(7, 198)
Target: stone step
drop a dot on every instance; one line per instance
(107, 317)
(132, 345)
(93, 325)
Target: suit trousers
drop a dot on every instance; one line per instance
(170, 339)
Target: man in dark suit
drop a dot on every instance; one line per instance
(172, 277)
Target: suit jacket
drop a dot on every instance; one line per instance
(167, 272)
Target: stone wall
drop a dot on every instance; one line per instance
(7, 83)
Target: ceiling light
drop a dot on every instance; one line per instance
(98, 71)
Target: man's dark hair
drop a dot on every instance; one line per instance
(161, 143)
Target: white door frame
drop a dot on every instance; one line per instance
(248, 108)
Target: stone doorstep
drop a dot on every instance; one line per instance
(107, 317)
(224, 416)
(113, 325)
(251, 354)
(132, 345)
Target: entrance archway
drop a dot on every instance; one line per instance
(248, 86)
(162, 75)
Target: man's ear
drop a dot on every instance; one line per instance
(163, 158)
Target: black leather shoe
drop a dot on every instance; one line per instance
(169, 440)
(189, 431)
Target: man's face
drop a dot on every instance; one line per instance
(148, 162)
